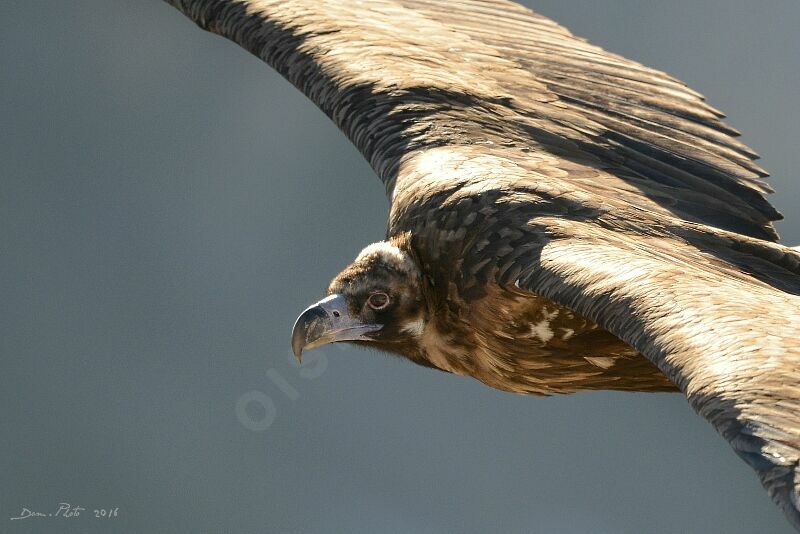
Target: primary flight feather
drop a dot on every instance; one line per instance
(561, 218)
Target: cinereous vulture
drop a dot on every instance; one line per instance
(561, 218)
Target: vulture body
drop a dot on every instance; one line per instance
(561, 218)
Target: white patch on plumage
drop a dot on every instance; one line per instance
(542, 329)
(415, 328)
(549, 315)
(568, 332)
(603, 362)
(390, 254)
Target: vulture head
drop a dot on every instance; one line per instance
(376, 301)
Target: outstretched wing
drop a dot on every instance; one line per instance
(400, 76)
(625, 196)
(730, 344)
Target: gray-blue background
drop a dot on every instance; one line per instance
(168, 204)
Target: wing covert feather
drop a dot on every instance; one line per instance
(728, 343)
(402, 76)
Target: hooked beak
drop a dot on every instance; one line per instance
(327, 321)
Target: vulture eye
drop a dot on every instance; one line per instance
(378, 301)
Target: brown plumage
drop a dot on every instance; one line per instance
(561, 218)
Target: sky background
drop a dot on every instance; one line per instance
(169, 204)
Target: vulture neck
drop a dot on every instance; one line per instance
(423, 341)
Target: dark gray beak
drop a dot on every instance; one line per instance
(327, 321)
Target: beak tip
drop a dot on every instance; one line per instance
(309, 327)
(298, 344)
(298, 353)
